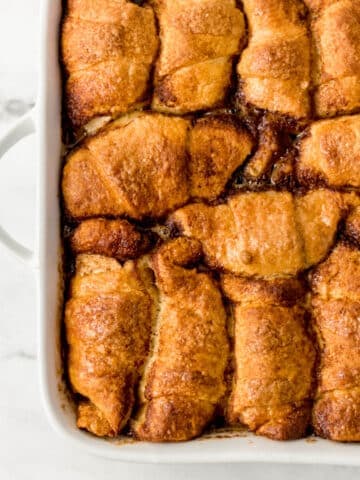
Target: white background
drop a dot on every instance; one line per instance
(29, 449)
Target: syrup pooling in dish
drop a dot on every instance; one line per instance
(211, 225)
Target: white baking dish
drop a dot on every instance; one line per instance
(45, 259)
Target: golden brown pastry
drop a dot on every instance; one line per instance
(108, 47)
(218, 146)
(144, 165)
(108, 321)
(274, 69)
(136, 167)
(112, 238)
(198, 41)
(266, 234)
(335, 27)
(273, 356)
(330, 153)
(336, 313)
(184, 379)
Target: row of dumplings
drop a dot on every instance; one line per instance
(159, 345)
(147, 164)
(290, 59)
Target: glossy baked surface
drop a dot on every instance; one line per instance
(211, 216)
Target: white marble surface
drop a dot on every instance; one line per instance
(28, 447)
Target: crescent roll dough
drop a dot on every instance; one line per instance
(107, 49)
(198, 41)
(335, 27)
(266, 234)
(274, 69)
(136, 167)
(336, 314)
(112, 238)
(330, 153)
(184, 379)
(108, 320)
(273, 382)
